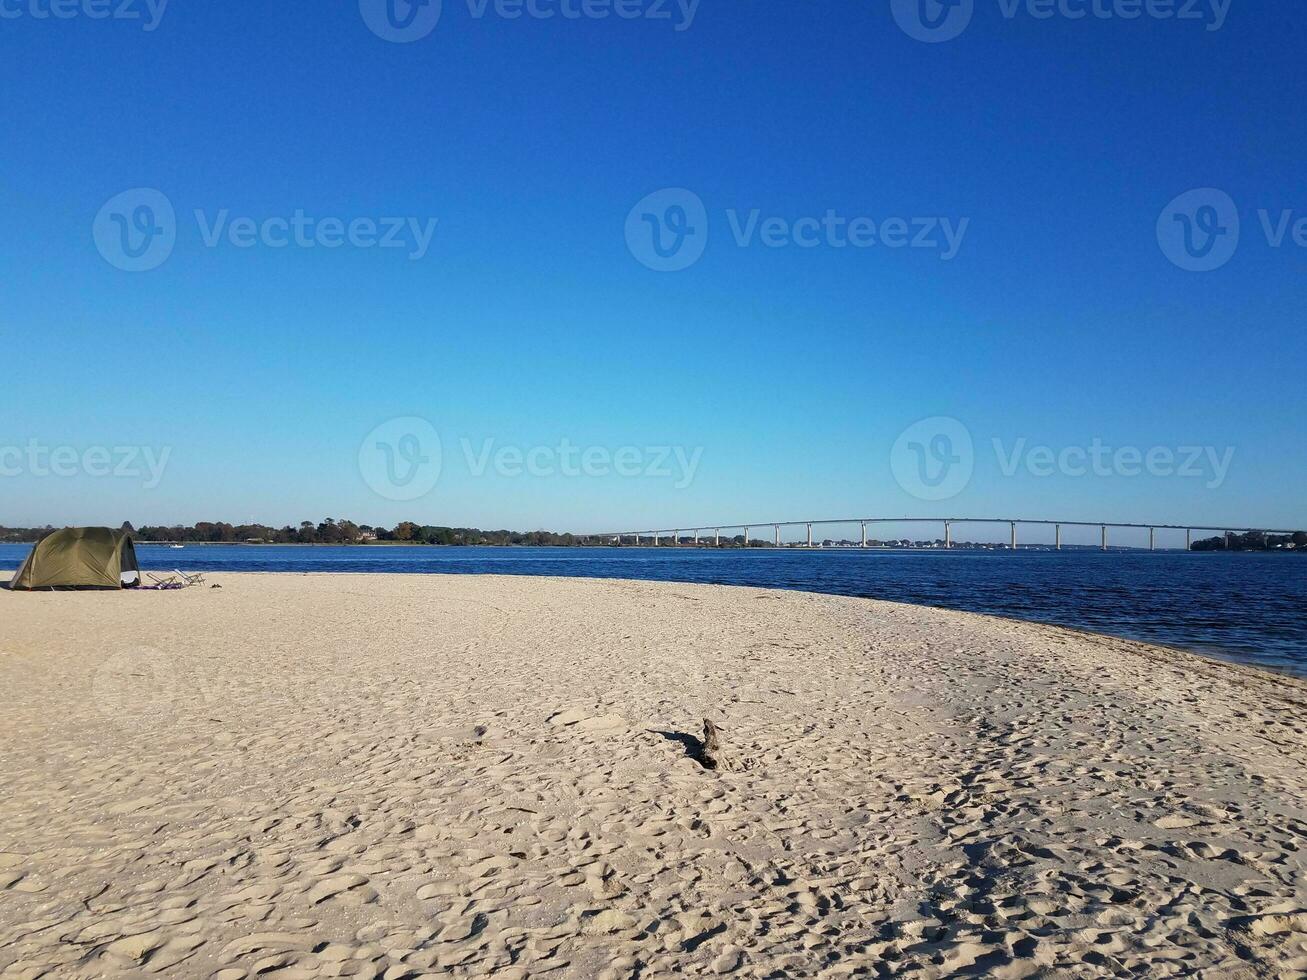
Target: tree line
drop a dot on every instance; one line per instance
(327, 531)
(1254, 541)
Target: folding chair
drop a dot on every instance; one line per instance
(164, 581)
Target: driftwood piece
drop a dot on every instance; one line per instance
(708, 752)
(713, 754)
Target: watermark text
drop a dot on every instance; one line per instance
(36, 459)
(148, 12)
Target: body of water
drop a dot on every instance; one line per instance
(1245, 607)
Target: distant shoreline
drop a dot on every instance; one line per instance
(627, 547)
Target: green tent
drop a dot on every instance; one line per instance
(80, 558)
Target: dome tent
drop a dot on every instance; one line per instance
(80, 558)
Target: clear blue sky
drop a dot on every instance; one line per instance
(529, 321)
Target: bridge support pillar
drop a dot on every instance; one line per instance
(1014, 535)
(717, 538)
(1188, 539)
(746, 537)
(655, 539)
(1104, 537)
(1152, 539)
(696, 537)
(809, 535)
(1057, 536)
(948, 535)
(676, 538)
(864, 534)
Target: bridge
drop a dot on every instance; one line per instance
(655, 537)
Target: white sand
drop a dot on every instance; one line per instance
(352, 775)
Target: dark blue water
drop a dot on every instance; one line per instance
(1246, 607)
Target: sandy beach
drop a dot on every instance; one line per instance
(397, 776)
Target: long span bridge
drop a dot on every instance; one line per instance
(655, 537)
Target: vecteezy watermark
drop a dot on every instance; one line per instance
(934, 459)
(401, 459)
(148, 12)
(301, 230)
(567, 459)
(934, 21)
(655, 10)
(36, 459)
(832, 230)
(667, 231)
(400, 21)
(1201, 229)
(1099, 459)
(136, 231)
(405, 21)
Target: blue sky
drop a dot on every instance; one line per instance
(530, 322)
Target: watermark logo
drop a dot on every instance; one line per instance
(148, 12)
(136, 230)
(933, 21)
(667, 231)
(401, 459)
(144, 464)
(401, 21)
(1199, 230)
(933, 459)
